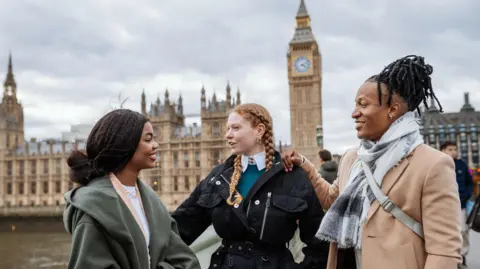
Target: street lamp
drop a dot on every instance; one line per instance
(319, 135)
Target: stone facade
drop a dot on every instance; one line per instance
(461, 127)
(305, 82)
(34, 174)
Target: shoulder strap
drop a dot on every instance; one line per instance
(389, 206)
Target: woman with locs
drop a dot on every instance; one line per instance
(419, 180)
(253, 204)
(115, 219)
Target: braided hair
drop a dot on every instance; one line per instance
(255, 114)
(110, 146)
(410, 78)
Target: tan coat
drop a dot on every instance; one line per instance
(423, 185)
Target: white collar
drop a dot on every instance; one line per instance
(258, 158)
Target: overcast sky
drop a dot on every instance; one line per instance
(73, 58)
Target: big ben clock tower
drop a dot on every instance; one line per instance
(305, 81)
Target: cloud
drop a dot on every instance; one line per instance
(72, 60)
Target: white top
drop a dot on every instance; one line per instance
(258, 159)
(132, 195)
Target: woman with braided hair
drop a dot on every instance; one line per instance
(418, 224)
(253, 204)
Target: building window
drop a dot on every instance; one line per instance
(175, 183)
(197, 159)
(45, 166)
(187, 184)
(21, 188)
(21, 168)
(175, 160)
(9, 188)
(216, 157)
(33, 187)
(463, 137)
(9, 168)
(185, 159)
(45, 187)
(216, 129)
(33, 167)
(8, 141)
(58, 186)
(58, 166)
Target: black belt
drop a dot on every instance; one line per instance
(248, 248)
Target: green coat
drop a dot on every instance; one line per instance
(106, 235)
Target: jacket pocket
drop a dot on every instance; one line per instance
(209, 200)
(280, 217)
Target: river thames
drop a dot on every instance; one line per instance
(44, 244)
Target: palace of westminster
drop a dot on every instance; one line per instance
(34, 174)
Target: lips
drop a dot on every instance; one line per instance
(359, 124)
(153, 156)
(232, 144)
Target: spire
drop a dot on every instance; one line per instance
(214, 98)
(167, 100)
(302, 10)
(238, 97)
(303, 31)
(467, 107)
(228, 101)
(10, 79)
(158, 100)
(144, 103)
(180, 105)
(203, 99)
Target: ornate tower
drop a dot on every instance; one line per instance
(12, 134)
(144, 103)
(305, 82)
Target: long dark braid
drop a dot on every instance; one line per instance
(410, 78)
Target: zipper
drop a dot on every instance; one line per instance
(248, 208)
(224, 178)
(267, 206)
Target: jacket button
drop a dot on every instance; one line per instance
(236, 205)
(239, 248)
(214, 265)
(257, 202)
(218, 182)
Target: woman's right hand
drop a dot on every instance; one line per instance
(291, 157)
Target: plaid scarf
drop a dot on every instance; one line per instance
(343, 221)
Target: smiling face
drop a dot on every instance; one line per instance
(145, 155)
(372, 120)
(242, 136)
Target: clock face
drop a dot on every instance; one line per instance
(302, 64)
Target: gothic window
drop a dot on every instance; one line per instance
(155, 185)
(21, 168)
(216, 157)
(58, 165)
(8, 141)
(187, 184)
(45, 166)
(175, 160)
(185, 159)
(9, 188)
(21, 188)
(299, 96)
(58, 186)
(197, 159)
(33, 187)
(216, 129)
(159, 160)
(300, 117)
(45, 187)
(9, 168)
(175, 183)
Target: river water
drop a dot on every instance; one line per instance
(35, 244)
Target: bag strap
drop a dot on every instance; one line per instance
(389, 206)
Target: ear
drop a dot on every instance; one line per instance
(260, 129)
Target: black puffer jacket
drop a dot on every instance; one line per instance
(255, 233)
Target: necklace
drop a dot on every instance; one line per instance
(131, 191)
